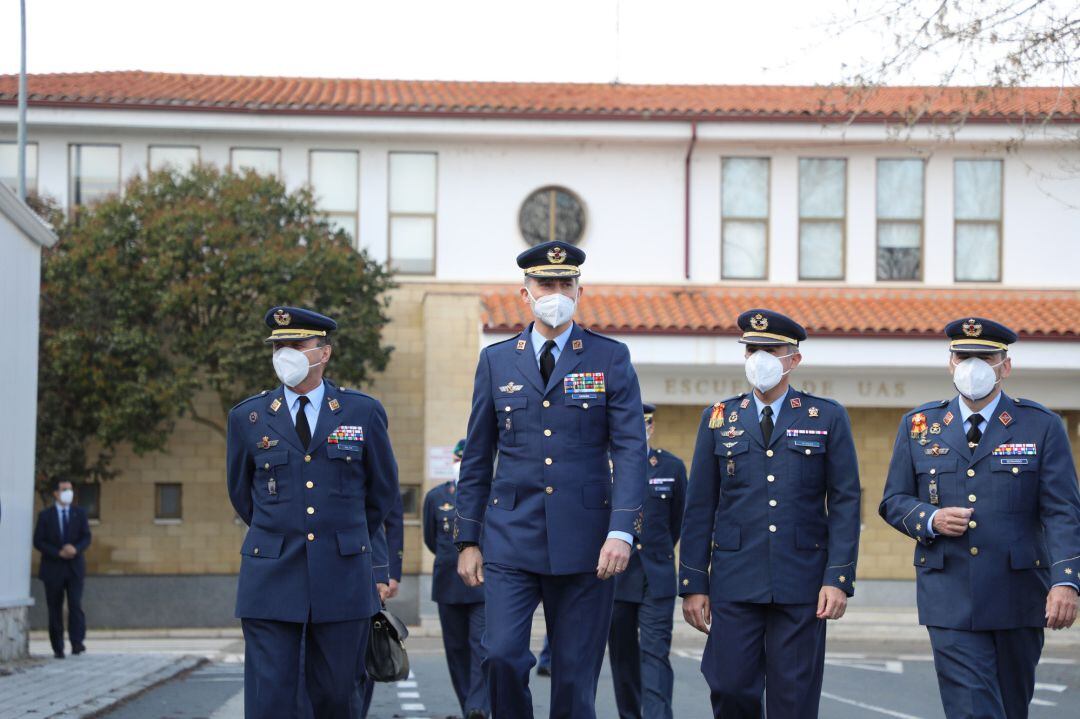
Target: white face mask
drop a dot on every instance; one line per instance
(554, 309)
(457, 472)
(67, 496)
(764, 371)
(975, 378)
(292, 366)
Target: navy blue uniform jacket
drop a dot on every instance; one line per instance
(446, 586)
(48, 541)
(311, 511)
(549, 502)
(1024, 534)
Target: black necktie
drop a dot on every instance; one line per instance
(766, 424)
(303, 429)
(974, 434)
(547, 361)
(63, 525)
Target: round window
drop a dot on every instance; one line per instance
(552, 214)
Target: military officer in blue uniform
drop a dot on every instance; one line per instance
(770, 531)
(645, 594)
(461, 607)
(986, 486)
(551, 405)
(310, 470)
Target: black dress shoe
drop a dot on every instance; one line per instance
(58, 655)
(476, 714)
(78, 650)
(543, 671)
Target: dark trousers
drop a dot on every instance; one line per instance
(986, 675)
(545, 655)
(331, 656)
(55, 590)
(577, 608)
(363, 689)
(778, 649)
(638, 647)
(463, 631)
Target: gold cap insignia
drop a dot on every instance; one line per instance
(972, 328)
(556, 255)
(759, 322)
(283, 318)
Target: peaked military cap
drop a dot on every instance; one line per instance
(551, 259)
(765, 327)
(459, 449)
(649, 410)
(296, 323)
(977, 334)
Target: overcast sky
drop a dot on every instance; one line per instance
(659, 41)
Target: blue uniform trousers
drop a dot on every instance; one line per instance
(986, 675)
(361, 697)
(545, 654)
(577, 609)
(72, 585)
(638, 646)
(272, 656)
(463, 631)
(754, 647)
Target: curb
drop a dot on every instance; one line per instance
(96, 707)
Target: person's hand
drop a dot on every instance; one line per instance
(392, 591)
(470, 566)
(831, 603)
(68, 551)
(614, 556)
(1061, 607)
(696, 611)
(952, 521)
(384, 591)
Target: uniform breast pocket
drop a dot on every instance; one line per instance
(811, 459)
(348, 458)
(510, 414)
(272, 481)
(730, 456)
(1021, 476)
(588, 418)
(937, 480)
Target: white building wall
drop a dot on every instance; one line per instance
(19, 286)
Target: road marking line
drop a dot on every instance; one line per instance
(1059, 688)
(413, 708)
(868, 707)
(886, 666)
(406, 685)
(408, 695)
(1043, 703)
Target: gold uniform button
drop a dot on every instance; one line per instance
(547, 460)
(1016, 470)
(311, 510)
(311, 537)
(768, 453)
(546, 403)
(922, 515)
(922, 560)
(807, 453)
(639, 545)
(971, 473)
(971, 498)
(772, 502)
(348, 459)
(266, 466)
(584, 405)
(549, 490)
(1038, 563)
(506, 408)
(933, 471)
(771, 478)
(310, 484)
(547, 432)
(728, 454)
(972, 524)
(772, 527)
(974, 551)
(255, 551)
(686, 582)
(307, 457)
(495, 501)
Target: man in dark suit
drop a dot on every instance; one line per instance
(62, 536)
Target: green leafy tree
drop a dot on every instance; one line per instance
(154, 295)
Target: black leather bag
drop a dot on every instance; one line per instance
(387, 660)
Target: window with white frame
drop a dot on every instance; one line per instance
(822, 214)
(94, 173)
(264, 161)
(412, 212)
(744, 208)
(977, 227)
(9, 165)
(899, 219)
(335, 181)
(178, 157)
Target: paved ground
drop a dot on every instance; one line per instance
(862, 679)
